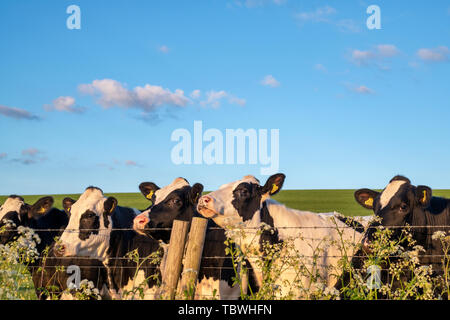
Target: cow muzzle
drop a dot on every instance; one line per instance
(140, 223)
(205, 206)
(60, 250)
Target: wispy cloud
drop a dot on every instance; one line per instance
(64, 104)
(147, 98)
(17, 113)
(363, 90)
(30, 156)
(327, 14)
(117, 164)
(163, 49)
(320, 67)
(195, 94)
(214, 99)
(377, 55)
(439, 54)
(270, 81)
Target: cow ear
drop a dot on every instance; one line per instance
(366, 197)
(273, 184)
(195, 192)
(67, 204)
(423, 195)
(110, 205)
(148, 189)
(41, 207)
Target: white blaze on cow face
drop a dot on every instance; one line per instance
(12, 204)
(390, 191)
(218, 205)
(96, 245)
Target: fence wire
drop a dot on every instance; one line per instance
(219, 269)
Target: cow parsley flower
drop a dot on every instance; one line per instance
(438, 235)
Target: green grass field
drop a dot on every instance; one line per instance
(312, 200)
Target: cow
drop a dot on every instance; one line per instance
(99, 229)
(245, 207)
(47, 222)
(402, 204)
(178, 201)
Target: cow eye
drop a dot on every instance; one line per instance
(403, 207)
(175, 201)
(242, 193)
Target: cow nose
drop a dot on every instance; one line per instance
(60, 250)
(141, 220)
(206, 200)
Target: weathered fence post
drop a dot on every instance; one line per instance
(193, 257)
(174, 258)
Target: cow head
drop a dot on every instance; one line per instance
(238, 201)
(176, 201)
(15, 212)
(90, 224)
(400, 203)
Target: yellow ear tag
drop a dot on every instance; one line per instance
(369, 202)
(424, 196)
(41, 210)
(150, 195)
(274, 188)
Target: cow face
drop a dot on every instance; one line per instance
(15, 212)
(89, 228)
(397, 203)
(176, 201)
(238, 201)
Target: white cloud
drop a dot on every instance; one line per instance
(30, 152)
(363, 90)
(319, 15)
(17, 113)
(270, 81)
(112, 93)
(387, 50)
(214, 98)
(163, 49)
(348, 25)
(327, 14)
(30, 156)
(377, 54)
(439, 54)
(320, 67)
(195, 94)
(66, 104)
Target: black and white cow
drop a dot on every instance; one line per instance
(178, 201)
(101, 230)
(401, 204)
(245, 205)
(47, 222)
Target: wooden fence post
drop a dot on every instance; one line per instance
(193, 257)
(174, 258)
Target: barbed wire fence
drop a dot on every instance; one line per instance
(184, 256)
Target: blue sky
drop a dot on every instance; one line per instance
(97, 106)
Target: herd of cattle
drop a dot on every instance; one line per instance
(95, 233)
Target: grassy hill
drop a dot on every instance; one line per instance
(311, 200)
